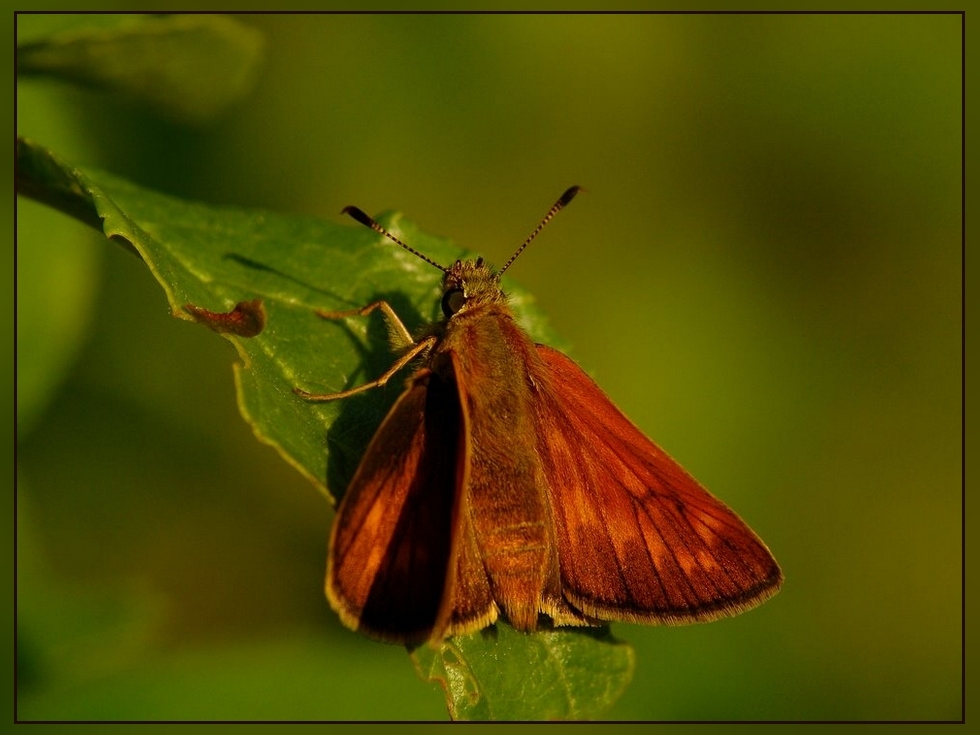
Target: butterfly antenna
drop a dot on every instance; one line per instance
(555, 209)
(361, 217)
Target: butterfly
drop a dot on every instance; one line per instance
(504, 483)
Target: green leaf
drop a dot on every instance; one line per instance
(187, 67)
(502, 674)
(214, 259)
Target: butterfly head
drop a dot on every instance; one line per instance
(469, 283)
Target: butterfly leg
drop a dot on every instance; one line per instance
(398, 335)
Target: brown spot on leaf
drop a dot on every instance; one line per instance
(247, 319)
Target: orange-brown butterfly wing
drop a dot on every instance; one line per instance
(467, 603)
(391, 540)
(639, 539)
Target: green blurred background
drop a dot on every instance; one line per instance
(765, 275)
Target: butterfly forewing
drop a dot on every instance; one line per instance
(467, 603)
(640, 538)
(390, 544)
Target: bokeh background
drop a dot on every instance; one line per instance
(765, 275)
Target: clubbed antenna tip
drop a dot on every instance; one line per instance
(364, 219)
(555, 209)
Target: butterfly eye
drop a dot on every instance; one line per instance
(452, 301)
